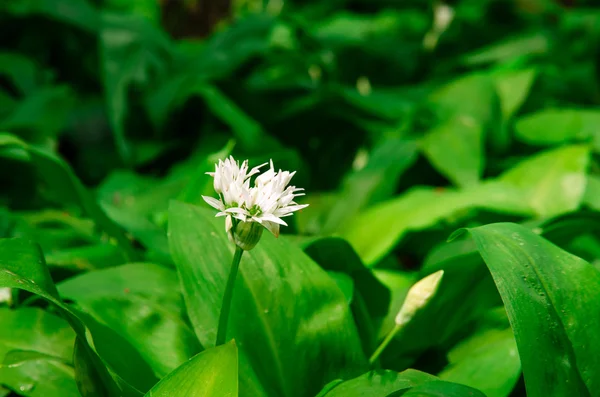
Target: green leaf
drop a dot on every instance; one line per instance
(335, 254)
(378, 383)
(280, 301)
(487, 361)
(557, 126)
(22, 266)
(371, 298)
(591, 197)
(44, 343)
(440, 388)
(373, 183)
(212, 373)
(550, 296)
(141, 302)
(552, 182)
(88, 382)
(20, 70)
(43, 114)
(473, 96)
(33, 329)
(455, 148)
(248, 132)
(528, 44)
(178, 90)
(61, 180)
(381, 227)
(75, 12)
(133, 51)
(34, 374)
(513, 88)
(344, 283)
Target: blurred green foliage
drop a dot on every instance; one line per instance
(405, 121)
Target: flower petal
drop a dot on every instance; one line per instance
(213, 202)
(236, 210)
(272, 218)
(272, 227)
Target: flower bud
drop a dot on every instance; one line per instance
(418, 296)
(245, 234)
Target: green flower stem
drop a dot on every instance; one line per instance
(383, 345)
(226, 306)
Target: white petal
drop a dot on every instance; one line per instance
(273, 218)
(213, 202)
(228, 224)
(236, 210)
(272, 227)
(241, 217)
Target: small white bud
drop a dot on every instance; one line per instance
(418, 296)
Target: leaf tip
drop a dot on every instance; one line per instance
(456, 234)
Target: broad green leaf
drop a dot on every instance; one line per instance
(455, 148)
(591, 197)
(280, 301)
(34, 374)
(79, 13)
(551, 297)
(377, 230)
(513, 89)
(473, 96)
(61, 180)
(335, 254)
(387, 103)
(487, 361)
(32, 329)
(212, 373)
(88, 382)
(551, 182)
(344, 283)
(370, 298)
(378, 383)
(143, 304)
(22, 266)
(559, 125)
(88, 257)
(44, 343)
(529, 44)
(440, 388)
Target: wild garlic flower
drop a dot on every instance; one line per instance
(248, 208)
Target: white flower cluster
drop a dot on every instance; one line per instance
(269, 200)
